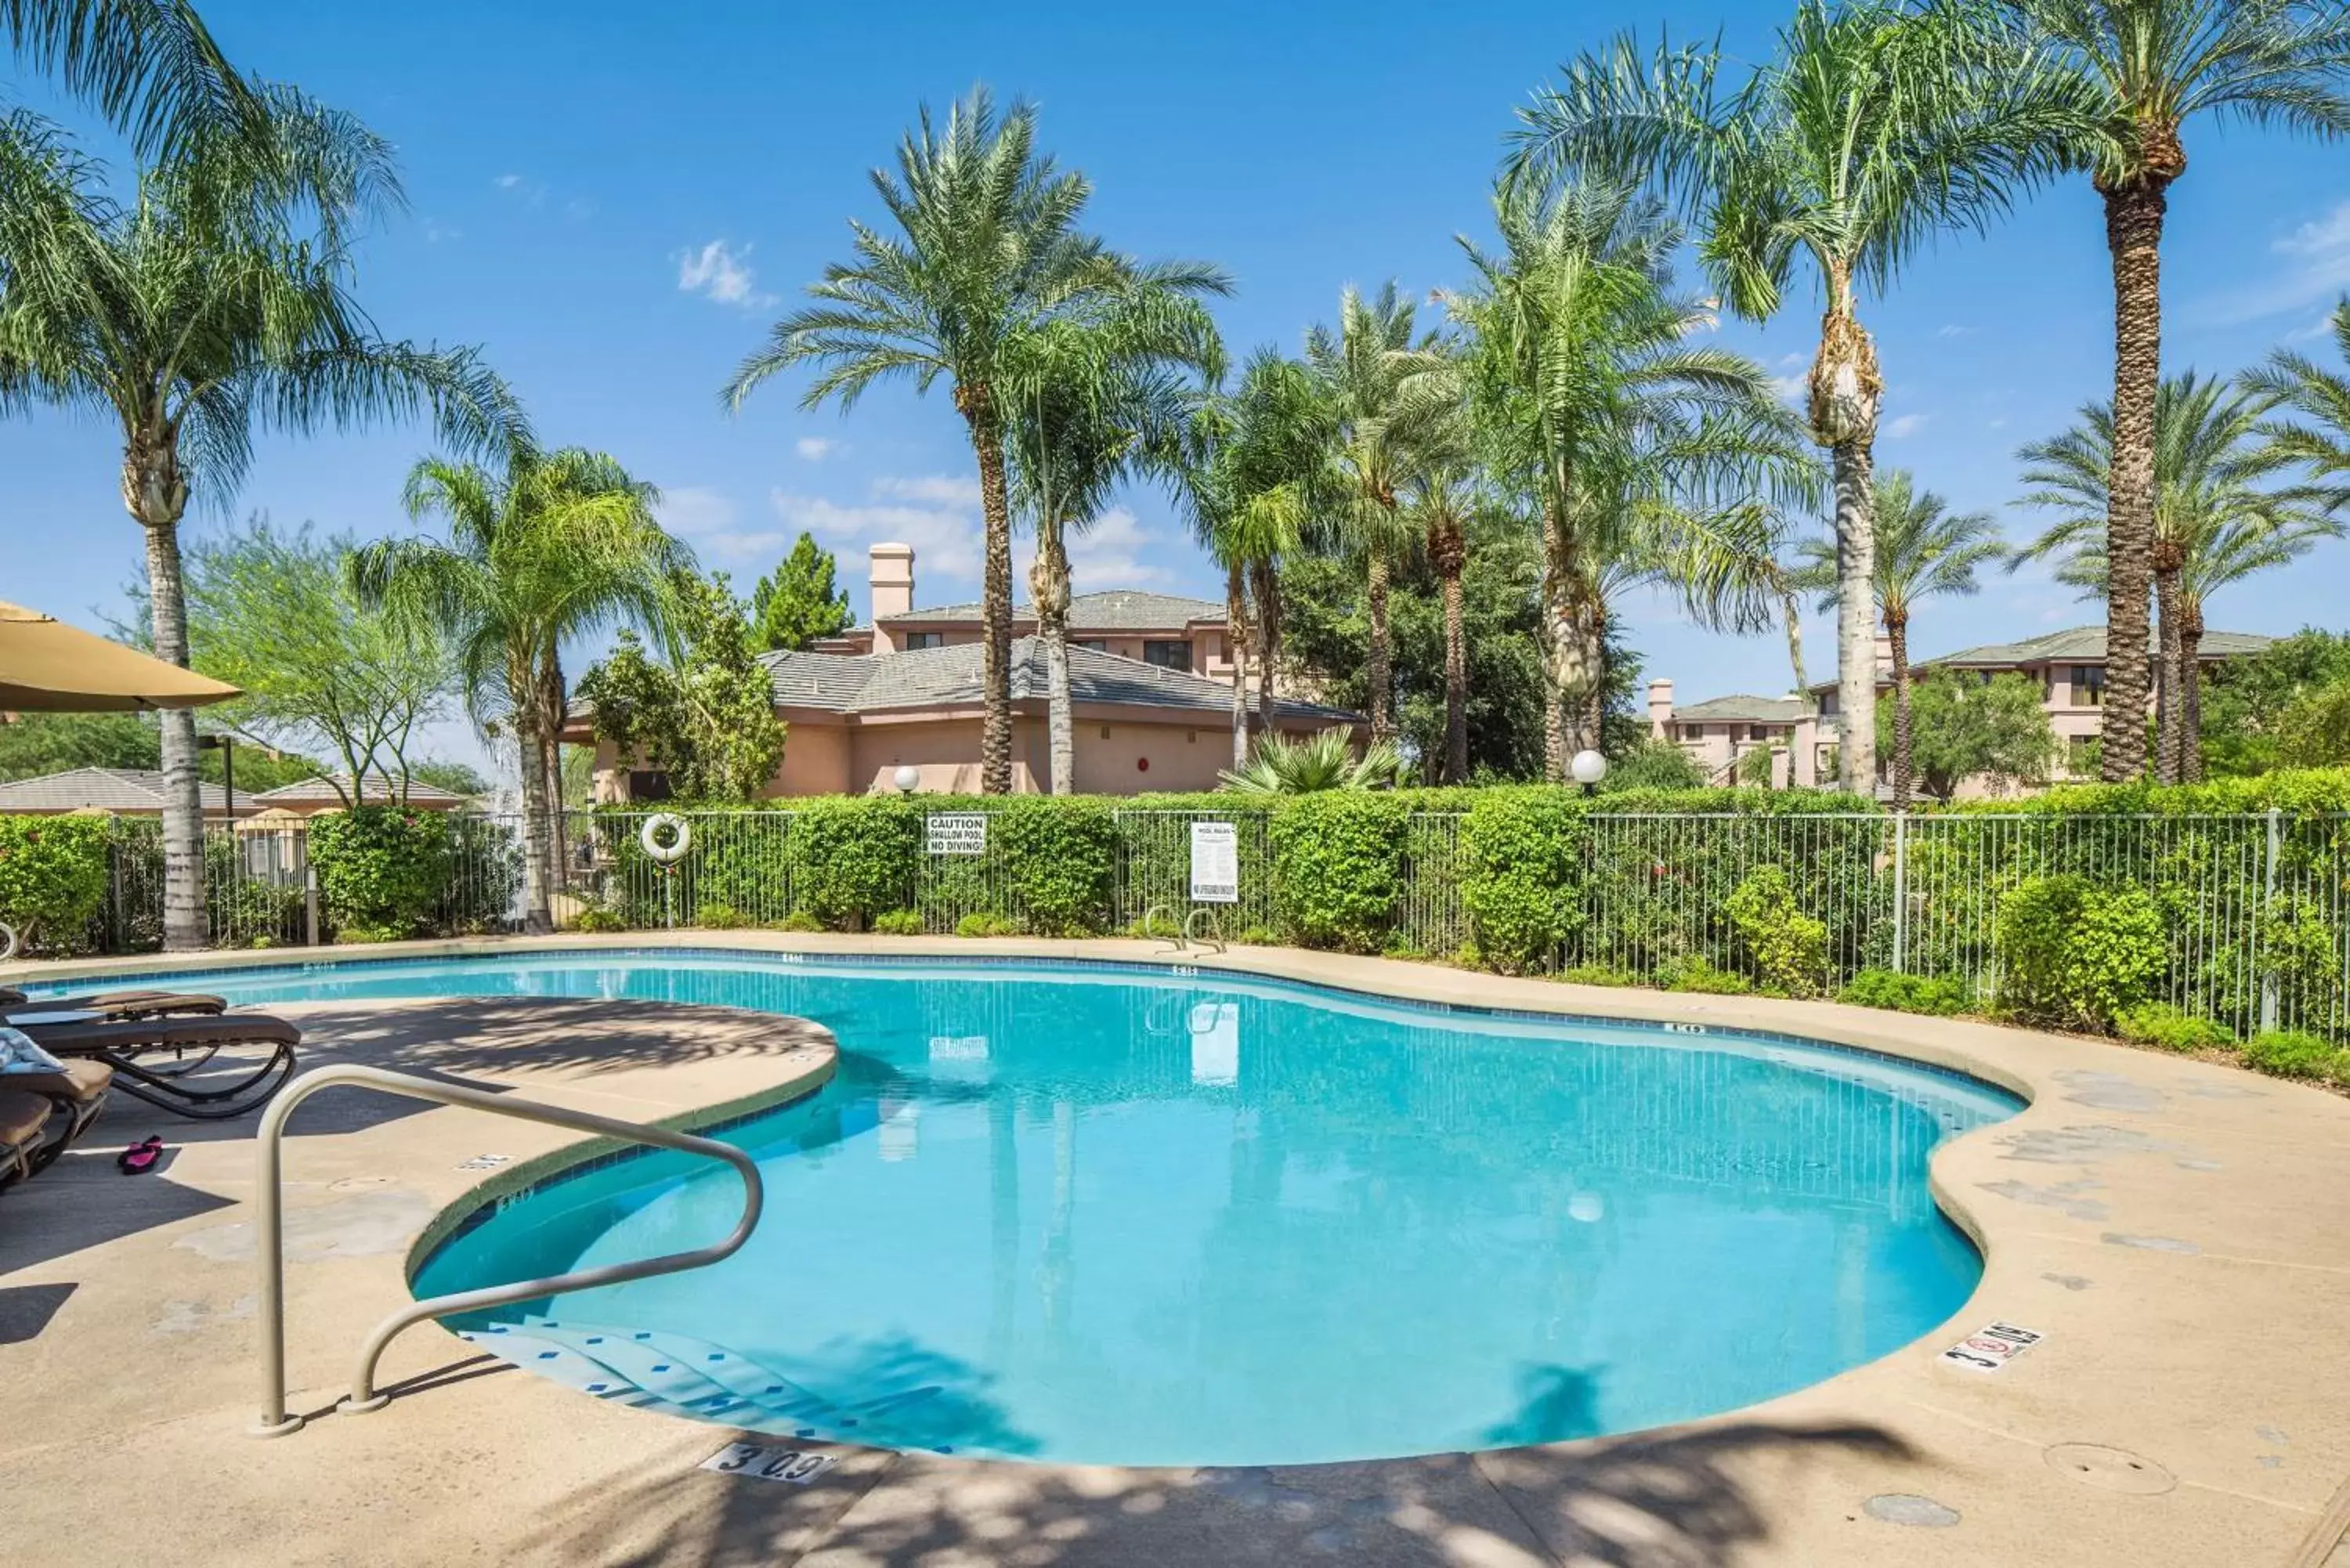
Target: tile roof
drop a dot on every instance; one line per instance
(107, 789)
(1122, 609)
(946, 676)
(305, 792)
(2085, 644)
(1757, 710)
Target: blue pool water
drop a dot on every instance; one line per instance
(1130, 1215)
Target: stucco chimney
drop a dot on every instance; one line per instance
(891, 578)
(1661, 707)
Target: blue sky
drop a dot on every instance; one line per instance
(613, 203)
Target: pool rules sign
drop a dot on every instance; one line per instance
(1215, 863)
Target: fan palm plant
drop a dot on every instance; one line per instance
(1924, 550)
(551, 546)
(987, 254)
(1092, 403)
(2294, 384)
(213, 305)
(2141, 69)
(2219, 518)
(1875, 127)
(1634, 442)
(1325, 761)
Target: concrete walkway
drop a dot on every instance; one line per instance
(2179, 1232)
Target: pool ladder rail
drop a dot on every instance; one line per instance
(1188, 935)
(270, 1250)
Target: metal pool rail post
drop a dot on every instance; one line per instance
(269, 1247)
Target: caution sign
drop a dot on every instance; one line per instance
(1991, 1348)
(956, 832)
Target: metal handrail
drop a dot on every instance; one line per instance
(270, 1250)
(1169, 910)
(1192, 920)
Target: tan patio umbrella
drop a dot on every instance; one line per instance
(47, 666)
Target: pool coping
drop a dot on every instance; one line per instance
(2129, 1095)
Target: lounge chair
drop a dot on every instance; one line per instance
(24, 1121)
(113, 1004)
(70, 1100)
(118, 1042)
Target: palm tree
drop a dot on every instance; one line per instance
(2217, 519)
(1876, 127)
(2141, 69)
(988, 252)
(2294, 383)
(1364, 365)
(1589, 399)
(556, 547)
(1325, 761)
(1256, 470)
(149, 67)
(1093, 403)
(1440, 498)
(1924, 550)
(214, 305)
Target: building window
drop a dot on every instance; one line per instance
(920, 640)
(2088, 686)
(1168, 655)
(647, 784)
(1096, 644)
(1827, 703)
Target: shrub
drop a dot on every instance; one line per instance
(851, 859)
(1337, 867)
(979, 923)
(382, 870)
(799, 920)
(2162, 1023)
(2071, 952)
(1521, 875)
(898, 923)
(596, 918)
(1937, 996)
(1062, 855)
(53, 875)
(1788, 948)
(719, 917)
(1598, 974)
(1694, 973)
(2290, 1054)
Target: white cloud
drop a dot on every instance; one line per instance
(435, 230)
(1954, 330)
(815, 449)
(946, 538)
(1906, 426)
(531, 191)
(2314, 264)
(720, 274)
(1999, 422)
(1106, 556)
(939, 489)
(1795, 388)
(707, 520)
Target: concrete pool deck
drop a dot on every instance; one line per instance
(2179, 1232)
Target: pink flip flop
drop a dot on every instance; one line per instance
(141, 1157)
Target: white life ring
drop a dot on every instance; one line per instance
(669, 854)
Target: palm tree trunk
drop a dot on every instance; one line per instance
(995, 606)
(1236, 633)
(156, 496)
(1793, 613)
(1595, 691)
(1268, 625)
(1447, 552)
(1380, 667)
(1897, 632)
(548, 758)
(1579, 676)
(1855, 533)
(2134, 215)
(2169, 695)
(1048, 585)
(537, 918)
(2190, 683)
(1558, 639)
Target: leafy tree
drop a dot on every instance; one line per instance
(798, 602)
(1924, 550)
(556, 545)
(987, 251)
(32, 745)
(1642, 455)
(215, 303)
(1874, 127)
(709, 720)
(1649, 765)
(1094, 400)
(273, 614)
(2297, 385)
(1963, 729)
(2219, 517)
(2138, 71)
(2314, 731)
(2246, 704)
(457, 778)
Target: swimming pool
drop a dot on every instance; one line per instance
(1115, 1214)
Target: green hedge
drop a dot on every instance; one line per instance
(1337, 868)
(383, 870)
(53, 880)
